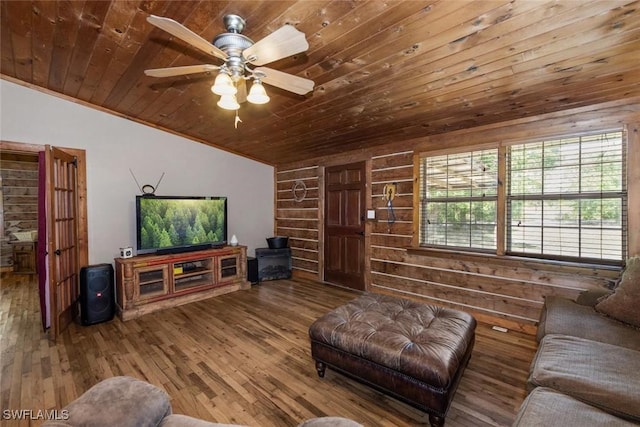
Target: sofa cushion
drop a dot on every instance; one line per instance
(329, 422)
(118, 401)
(602, 375)
(545, 407)
(564, 316)
(622, 304)
(591, 297)
(177, 420)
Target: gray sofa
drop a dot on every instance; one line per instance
(129, 402)
(586, 370)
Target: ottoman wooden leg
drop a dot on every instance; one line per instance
(320, 367)
(436, 421)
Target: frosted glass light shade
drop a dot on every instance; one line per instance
(257, 94)
(223, 85)
(228, 102)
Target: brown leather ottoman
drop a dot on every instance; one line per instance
(411, 351)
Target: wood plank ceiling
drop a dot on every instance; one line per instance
(385, 71)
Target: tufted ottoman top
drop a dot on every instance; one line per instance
(423, 341)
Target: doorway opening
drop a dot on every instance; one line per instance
(48, 181)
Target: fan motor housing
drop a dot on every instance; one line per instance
(233, 42)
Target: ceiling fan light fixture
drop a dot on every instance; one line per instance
(257, 94)
(238, 51)
(228, 102)
(223, 85)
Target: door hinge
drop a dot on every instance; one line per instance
(75, 162)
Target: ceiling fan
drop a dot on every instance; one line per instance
(239, 54)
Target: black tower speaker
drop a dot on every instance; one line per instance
(252, 270)
(97, 296)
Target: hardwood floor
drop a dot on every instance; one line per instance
(238, 358)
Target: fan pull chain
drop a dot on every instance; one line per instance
(237, 120)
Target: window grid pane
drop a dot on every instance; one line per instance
(458, 200)
(567, 198)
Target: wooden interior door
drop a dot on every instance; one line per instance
(62, 224)
(344, 227)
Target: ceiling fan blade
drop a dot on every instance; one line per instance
(285, 81)
(180, 31)
(179, 71)
(241, 95)
(283, 42)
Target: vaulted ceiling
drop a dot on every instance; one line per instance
(384, 71)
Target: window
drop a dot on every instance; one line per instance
(459, 200)
(567, 197)
(563, 199)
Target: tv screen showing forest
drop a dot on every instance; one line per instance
(167, 222)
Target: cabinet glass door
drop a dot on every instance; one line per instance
(229, 268)
(151, 282)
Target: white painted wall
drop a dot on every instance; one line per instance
(114, 145)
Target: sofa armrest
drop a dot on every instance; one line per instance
(117, 401)
(590, 297)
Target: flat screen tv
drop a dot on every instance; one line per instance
(166, 224)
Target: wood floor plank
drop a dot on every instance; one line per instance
(239, 358)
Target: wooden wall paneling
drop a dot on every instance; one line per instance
(368, 223)
(388, 169)
(321, 221)
(504, 290)
(525, 311)
(19, 178)
(472, 281)
(387, 240)
(567, 283)
(297, 216)
(401, 228)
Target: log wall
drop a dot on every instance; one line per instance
(506, 291)
(19, 188)
(298, 216)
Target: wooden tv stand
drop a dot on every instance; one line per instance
(149, 283)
